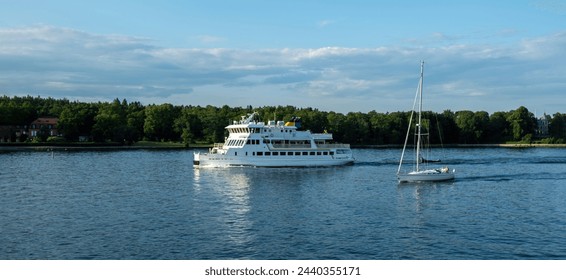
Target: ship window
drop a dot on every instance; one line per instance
(260, 153)
(312, 153)
(246, 153)
(248, 142)
(318, 153)
(275, 153)
(267, 153)
(325, 153)
(331, 153)
(297, 153)
(305, 153)
(283, 154)
(235, 153)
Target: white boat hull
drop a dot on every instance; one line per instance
(426, 176)
(208, 160)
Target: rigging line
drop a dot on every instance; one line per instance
(409, 127)
(440, 136)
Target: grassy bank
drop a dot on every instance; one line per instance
(98, 145)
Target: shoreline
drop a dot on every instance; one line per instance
(506, 145)
(70, 147)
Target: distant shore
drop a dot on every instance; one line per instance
(98, 146)
(506, 145)
(145, 145)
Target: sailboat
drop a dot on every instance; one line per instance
(421, 172)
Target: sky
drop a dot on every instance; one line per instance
(342, 56)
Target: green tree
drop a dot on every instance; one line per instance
(522, 123)
(336, 125)
(77, 119)
(110, 122)
(159, 122)
(189, 126)
(481, 120)
(557, 127)
(498, 128)
(135, 119)
(467, 126)
(356, 129)
(447, 126)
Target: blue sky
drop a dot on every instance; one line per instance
(344, 56)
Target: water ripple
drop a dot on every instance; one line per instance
(504, 204)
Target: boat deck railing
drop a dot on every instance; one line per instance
(308, 146)
(291, 146)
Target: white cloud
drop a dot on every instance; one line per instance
(324, 23)
(61, 62)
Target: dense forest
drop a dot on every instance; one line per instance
(129, 122)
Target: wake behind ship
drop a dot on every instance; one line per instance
(275, 144)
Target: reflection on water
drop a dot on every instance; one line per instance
(231, 192)
(420, 190)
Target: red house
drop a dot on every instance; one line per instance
(49, 125)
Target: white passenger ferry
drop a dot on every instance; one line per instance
(275, 144)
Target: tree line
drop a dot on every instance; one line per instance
(129, 122)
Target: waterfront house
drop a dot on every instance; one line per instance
(47, 125)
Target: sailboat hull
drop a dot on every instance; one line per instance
(425, 176)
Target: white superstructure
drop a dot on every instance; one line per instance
(275, 144)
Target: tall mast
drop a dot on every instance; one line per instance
(420, 111)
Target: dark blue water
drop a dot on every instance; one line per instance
(504, 204)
